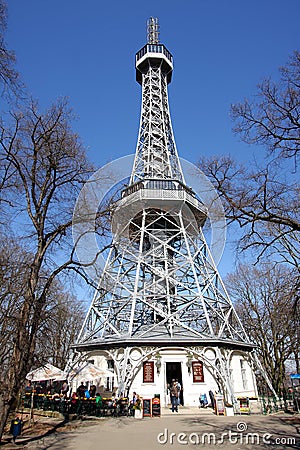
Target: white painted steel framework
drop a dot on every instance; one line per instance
(156, 154)
(160, 279)
(160, 287)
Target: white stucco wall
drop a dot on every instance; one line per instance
(242, 378)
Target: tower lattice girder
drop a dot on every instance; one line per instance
(160, 278)
(160, 286)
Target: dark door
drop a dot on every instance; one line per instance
(173, 372)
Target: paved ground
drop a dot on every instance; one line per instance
(189, 428)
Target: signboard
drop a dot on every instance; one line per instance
(219, 404)
(148, 372)
(244, 405)
(198, 376)
(156, 407)
(146, 407)
(295, 379)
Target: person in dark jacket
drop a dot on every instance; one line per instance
(174, 394)
(81, 390)
(92, 390)
(212, 398)
(16, 427)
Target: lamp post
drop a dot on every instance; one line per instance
(189, 362)
(158, 362)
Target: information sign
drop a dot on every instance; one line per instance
(146, 407)
(156, 407)
(219, 404)
(198, 376)
(148, 372)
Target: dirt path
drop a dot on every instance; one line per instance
(179, 431)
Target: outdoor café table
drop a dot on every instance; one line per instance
(109, 407)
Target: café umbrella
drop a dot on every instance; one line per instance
(89, 372)
(46, 372)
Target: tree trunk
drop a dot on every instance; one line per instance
(4, 412)
(23, 351)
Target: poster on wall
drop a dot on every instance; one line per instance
(148, 372)
(198, 376)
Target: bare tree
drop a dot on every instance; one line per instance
(263, 198)
(9, 77)
(264, 202)
(62, 320)
(48, 167)
(274, 119)
(264, 299)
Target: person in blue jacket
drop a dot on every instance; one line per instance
(16, 427)
(203, 400)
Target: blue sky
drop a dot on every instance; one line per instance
(85, 51)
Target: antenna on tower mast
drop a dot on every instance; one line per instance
(152, 31)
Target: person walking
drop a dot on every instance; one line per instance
(174, 394)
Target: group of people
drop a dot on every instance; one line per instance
(136, 402)
(62, 389)
(175, 389)
(112, 405)
(84, 392)
(48, 387)
(76, 395)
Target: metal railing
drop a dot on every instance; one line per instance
(154, 48)
(107, 407)
(163, 194)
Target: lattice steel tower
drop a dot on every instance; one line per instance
(160, 287)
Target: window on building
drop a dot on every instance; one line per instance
(110, 364)
(244, 374)
(109, 384)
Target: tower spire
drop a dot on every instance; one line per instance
(152, 31)
(156, 155)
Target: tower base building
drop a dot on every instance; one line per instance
(151, 369)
